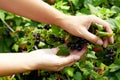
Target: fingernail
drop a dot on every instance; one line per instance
(76, 57)
(100, 42)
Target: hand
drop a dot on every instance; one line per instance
(79, 25)
(48, 60)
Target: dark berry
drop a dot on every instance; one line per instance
(38, 34)
(56, 39)
(79, 48)
(37, 38)
(33, 34)
(111, 58)
(44, 41)
(47, 26)
(37, 42)
(72, 46)
(110, 51)
(52, 36)
(7, 30)
(69, 45)
(76, 46)
(39, 27)
(106, 56)
(61, 40)
(28, 43)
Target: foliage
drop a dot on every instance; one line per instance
(18, 34)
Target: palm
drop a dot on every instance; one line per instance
(50, 61)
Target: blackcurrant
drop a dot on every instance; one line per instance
(28, 43)
(39, 27)
(47, 26)
(61, 40)
(37, 42)
(52, 36)
(110, 51)
(38, 34)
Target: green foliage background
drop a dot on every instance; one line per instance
(16, 31)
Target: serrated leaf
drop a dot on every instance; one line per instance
(63, 51)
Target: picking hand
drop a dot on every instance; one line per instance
(79, 25)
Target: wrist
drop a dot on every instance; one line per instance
(63, 22)
(59, 20)
(36, 59)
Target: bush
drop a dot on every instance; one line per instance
(19, 34)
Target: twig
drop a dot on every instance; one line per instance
(67, 77)
(71, 5)
(8, 26)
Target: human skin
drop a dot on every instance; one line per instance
(40, 11)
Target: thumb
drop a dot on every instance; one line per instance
(92, 38)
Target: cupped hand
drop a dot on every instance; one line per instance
(48, 60)
(79, 26)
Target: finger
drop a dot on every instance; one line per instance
(66, 60)
(105, 43)
(107, 27)
(55, 50)
(72, 58)
(92, 38)
(60, 68)
(77, 54)
(71, 64)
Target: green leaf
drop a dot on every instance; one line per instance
(85, 72)
(91, 54)
(89, 65)
(114, 67)
(113, 24)
(18, 21)
(2, 15)
(41, 44)
(63, 51)
(55, 30)
(118, 75)
(116, 9)
(1, 78)
(69, 71)
(5, 44)
(104, 34)
(75, 2)
(15, 47)
(78, 76)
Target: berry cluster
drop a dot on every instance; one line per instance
(109, 56)
(47, 27)
(77, 44)
(57, 39)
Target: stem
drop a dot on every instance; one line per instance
(8, 26)
(71, 6)
(67, 77)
